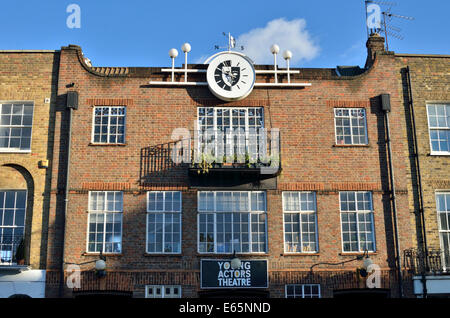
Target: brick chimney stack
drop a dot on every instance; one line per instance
(374, 44)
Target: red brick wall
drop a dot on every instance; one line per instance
(310, 161)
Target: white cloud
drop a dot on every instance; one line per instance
(289, 35)
(354, 55)
(201, 59)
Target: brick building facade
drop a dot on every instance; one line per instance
(28, 83)
(425, 85)
(158, 223)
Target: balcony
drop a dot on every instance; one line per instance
(212, 158)
(431, 263)
(237, 158)
(12, 252)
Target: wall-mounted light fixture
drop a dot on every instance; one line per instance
(363, 272)
(43, 164)
(100, 265)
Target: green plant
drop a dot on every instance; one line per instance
(249, 160)
(206, 162)
(265, 160)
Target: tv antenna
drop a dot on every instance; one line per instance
(231, 43)
(390, 30)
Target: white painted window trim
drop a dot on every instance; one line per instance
(434, 152)
(164, 212)
(351, 127)
(18, 150)
(303, 290)
(357, 223)
(15, 204)
(108, 126)
(300, 224)
(246, 124)
(104, 224)
(163, 290)
(446, 267)
(215, 212)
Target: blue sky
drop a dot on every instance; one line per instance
(321, 33)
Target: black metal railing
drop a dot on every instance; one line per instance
(236, 148)
(213, 149)
(432, 262)
(12, 249)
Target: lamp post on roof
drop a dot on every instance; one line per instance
(186, 48)
(173, 53)
(287, 56)
(274, 49)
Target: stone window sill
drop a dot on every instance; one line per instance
(300, 254)
(106, 145)
(439, 154)
(104, 254)
(162, 254)
(356, 253)
(230, 255)
(352, 146)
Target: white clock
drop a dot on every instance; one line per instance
(230, 76)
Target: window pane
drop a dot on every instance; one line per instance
(16, 136)
(350, 126)
(105, 228)
(231, 231)
(106, 124)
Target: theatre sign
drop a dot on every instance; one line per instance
(219, 274)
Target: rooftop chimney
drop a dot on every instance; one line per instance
(374, 44)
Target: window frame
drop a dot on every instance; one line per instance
(104, 222)
(303, 291)
(163, 290)
(372, 214)
(231, 108)
(108, 126)
(14, 218)
(445, 266)
(18, 150)
(351, 126)
(163, 212)
(249, 212)
(215, 125)
(437, 152)
(300, 213)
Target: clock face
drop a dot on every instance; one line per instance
(230, 76)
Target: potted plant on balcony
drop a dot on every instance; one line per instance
(250, 161)
(270, 161)
(206, 163)
(239, 161)
(20, 253)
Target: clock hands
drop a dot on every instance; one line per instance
(228, 75)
